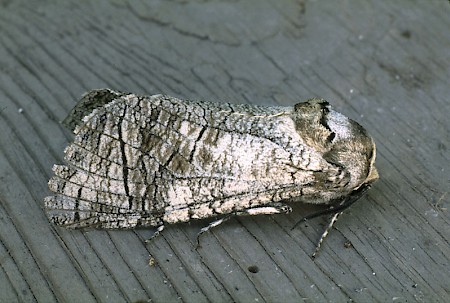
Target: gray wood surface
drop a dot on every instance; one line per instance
(384, 63)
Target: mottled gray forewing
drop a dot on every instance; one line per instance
(134, 160)
(90, 101)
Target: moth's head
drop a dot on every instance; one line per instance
(342, 141)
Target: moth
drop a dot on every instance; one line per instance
(156, 160)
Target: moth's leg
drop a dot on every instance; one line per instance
(270, 209)
(325, 233)
(337, 206)
(336, 209)
(209, 226)
(156, 233)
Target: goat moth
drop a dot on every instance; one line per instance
(155, 160)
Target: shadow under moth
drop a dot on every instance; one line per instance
(155, 160)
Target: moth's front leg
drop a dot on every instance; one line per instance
(268, 209)
(336, 208)
(325, 233)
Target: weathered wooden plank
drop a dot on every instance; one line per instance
(384, 64)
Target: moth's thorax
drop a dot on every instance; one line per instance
(340, 125)
(343, 143)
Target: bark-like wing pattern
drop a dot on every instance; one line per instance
(143, 161)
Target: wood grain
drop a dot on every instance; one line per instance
(384, 64)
